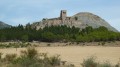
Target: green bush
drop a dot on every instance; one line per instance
(54, 60)
(105, 64)
(90, 62)
(28, 62)
(30, 53)
(10, 57)
(29, 58)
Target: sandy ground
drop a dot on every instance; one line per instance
(76, 54)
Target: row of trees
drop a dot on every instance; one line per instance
(57, 33)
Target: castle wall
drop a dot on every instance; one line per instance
(62, 20)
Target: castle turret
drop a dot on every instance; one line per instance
(63, 15)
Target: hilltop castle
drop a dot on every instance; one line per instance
(62, 20)
(80, 20)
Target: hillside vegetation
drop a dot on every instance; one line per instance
(58, 33)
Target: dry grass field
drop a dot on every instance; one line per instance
(76, 54)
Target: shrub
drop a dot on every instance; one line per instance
(117, 65)
(48, 44)
(54, 61)
(30, 53)
(0, 56)
(99, 43)
(29, 58)
(106, 64)
(10, 57)
(28, 62)
(83, 44)
(51, 61)
(77, 43)
(90, 62)
(103, 43)
(71, 65)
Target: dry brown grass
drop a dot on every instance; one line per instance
(76, 54)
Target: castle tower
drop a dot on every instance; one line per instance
(63, 15)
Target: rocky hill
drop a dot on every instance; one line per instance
(4, 25)
(80, 20)
(90, 19)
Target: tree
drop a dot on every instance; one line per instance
(25, 38)
(3, 38)
(48, 36)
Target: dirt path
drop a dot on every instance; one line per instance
(76, 54)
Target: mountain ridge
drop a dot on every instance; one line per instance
(4, 25)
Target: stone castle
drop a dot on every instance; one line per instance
(62, 20)
(80, 20)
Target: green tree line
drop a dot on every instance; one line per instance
(57, 33)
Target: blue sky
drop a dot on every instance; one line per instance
(16, 12)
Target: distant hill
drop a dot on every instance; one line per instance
(4, 25)
(80, 20)
(93, 20)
